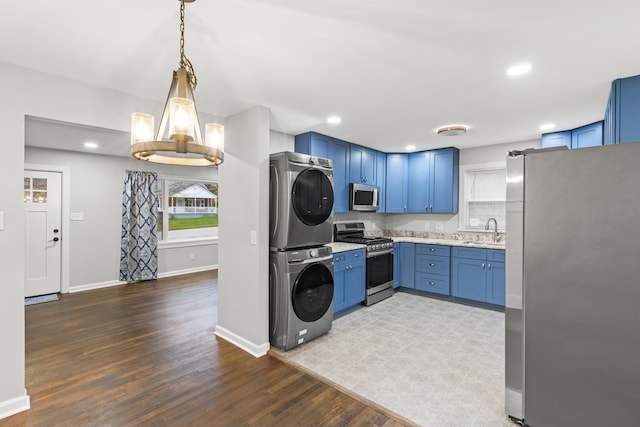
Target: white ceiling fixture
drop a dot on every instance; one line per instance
(519, 70)
(410, 147)
(183, 144)
(334, 120)
(90, 144)
(547, 126)
(451, 130)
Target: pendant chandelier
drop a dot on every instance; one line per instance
(182, 144)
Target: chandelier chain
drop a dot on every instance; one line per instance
(184, 61)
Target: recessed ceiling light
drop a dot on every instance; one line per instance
(90, 145)
(547, 126)
(451, 130)
(410, 147)
(333, 120)
(518, 70)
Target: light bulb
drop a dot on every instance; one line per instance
(214, 135)
(141, 127)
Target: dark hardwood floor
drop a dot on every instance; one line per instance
(146, 354)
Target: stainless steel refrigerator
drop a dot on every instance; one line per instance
(573, 286)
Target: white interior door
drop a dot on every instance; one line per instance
(43, 207)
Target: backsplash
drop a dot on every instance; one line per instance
(467, 236)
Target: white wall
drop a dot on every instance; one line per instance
(243, 278)
(280, 142)
(96, 191)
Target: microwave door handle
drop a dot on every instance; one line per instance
(376, 197)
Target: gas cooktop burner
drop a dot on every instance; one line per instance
(354, 233)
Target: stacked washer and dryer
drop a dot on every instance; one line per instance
(300, 266)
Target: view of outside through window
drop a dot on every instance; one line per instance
(188, 209)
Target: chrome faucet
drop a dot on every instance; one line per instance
(496, 235)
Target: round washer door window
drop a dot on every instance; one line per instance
(312, 196)
(312, 292)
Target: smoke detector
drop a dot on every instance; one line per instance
(452, 130)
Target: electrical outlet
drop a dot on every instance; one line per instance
(427, 226)
(192, 257)
(439, 226)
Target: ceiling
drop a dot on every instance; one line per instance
(393, 71)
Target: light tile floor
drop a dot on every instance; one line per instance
(434, 362)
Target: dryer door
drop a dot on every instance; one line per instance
(312, 292)
(312, 197)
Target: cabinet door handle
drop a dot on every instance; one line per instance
(483, 265)
(489, 266)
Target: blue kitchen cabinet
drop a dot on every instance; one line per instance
(396, 265)
(397, 183)
(324, 146)
(621, 122)
(362, 165)
(381, 178)
(433, 181)
(407, 265)
(432, 267)
(478, 274)
(556, 139)
(587, 136)
(584, 136)
(348, 279)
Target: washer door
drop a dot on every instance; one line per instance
(312, 292)
(312, 197)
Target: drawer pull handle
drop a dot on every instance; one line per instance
(431, 264)
(432, 249)
(432, 283)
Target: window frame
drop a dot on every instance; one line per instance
(165, 242)
(464, 194)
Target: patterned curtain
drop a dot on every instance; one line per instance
(139, 243)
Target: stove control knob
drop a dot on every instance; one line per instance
(313, 253)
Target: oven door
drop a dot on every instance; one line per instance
(379, 270)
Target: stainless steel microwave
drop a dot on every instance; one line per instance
(364, 198)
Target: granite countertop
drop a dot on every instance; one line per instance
(342, 247)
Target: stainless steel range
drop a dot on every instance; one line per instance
(379, 282)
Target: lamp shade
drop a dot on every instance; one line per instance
(142, 126)
(214, 136)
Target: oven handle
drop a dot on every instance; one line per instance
(376, 253)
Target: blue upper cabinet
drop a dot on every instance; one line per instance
(623, 109)
(556, 139)
(587, 136)
(381, 178)
(584, 136)
(337, 150)
(362, 167)
(397, 182)
(433, 181)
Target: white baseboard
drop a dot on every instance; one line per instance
(90, 286)
(187, 271)
(13, 406)
(256, 350)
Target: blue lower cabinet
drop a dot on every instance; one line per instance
(406, 265)
(348, 279)
(478, 274)
(432, 268)
(396, 265)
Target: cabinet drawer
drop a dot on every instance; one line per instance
(464, 252)
(432, 250)
(432, 283)
(432, 264)
(495, 255)
(356, 255)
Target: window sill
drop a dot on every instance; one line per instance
(185, 243)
